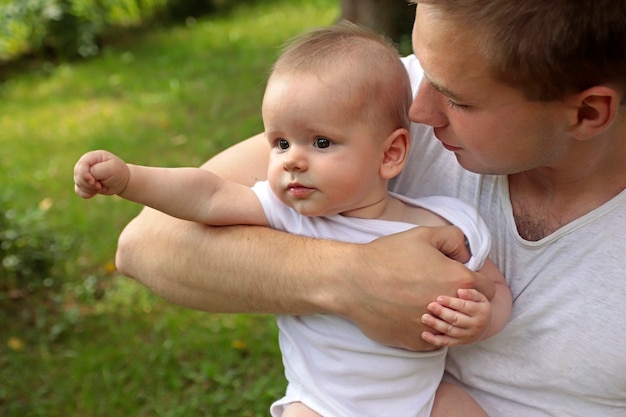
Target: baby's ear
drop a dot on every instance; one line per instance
(396, 148)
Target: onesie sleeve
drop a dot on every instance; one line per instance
(279, 215)
(466, 218)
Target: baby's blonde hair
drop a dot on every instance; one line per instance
(366, 66)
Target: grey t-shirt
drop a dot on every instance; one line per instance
(563, 353)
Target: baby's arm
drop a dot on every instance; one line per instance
(471, 317)
(299, 410)
(193, 194)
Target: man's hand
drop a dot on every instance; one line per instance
(399, 276)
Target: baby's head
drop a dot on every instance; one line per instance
(360, 66)
(335, 112)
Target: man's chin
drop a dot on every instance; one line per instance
(473, 166)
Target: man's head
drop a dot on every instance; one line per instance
(503, 88)
(546, 48)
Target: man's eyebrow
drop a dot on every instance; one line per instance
(443, 89)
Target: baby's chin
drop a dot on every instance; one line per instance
(309, 210)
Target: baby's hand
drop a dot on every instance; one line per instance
(459, 321)
(100, 172)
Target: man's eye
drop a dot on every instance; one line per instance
(457, 106)
(282, 144)
(322, 142)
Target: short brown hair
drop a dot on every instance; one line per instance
(547, 48)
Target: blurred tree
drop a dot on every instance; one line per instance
(393, 18)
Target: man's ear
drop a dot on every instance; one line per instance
(396, 151)
(596, 109)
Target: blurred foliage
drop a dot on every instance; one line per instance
(33, 263)
(68, 29)
(29, 250)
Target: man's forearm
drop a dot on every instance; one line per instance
(225, 269)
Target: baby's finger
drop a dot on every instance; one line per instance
(449, 322)
(468, 307)
(85, 178)
(82, 192)
(440, 340)
(471, 294)
(445, 314)
(453, 303)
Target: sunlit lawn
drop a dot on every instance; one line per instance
(170, 96)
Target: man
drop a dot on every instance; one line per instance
(519, 110)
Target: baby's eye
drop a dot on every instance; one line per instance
(322, 142)
(282, 144)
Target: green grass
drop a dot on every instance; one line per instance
(155, 362)
(170, 97)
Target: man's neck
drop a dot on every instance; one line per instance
(546, 199)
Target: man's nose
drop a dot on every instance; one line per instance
(428, 106)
